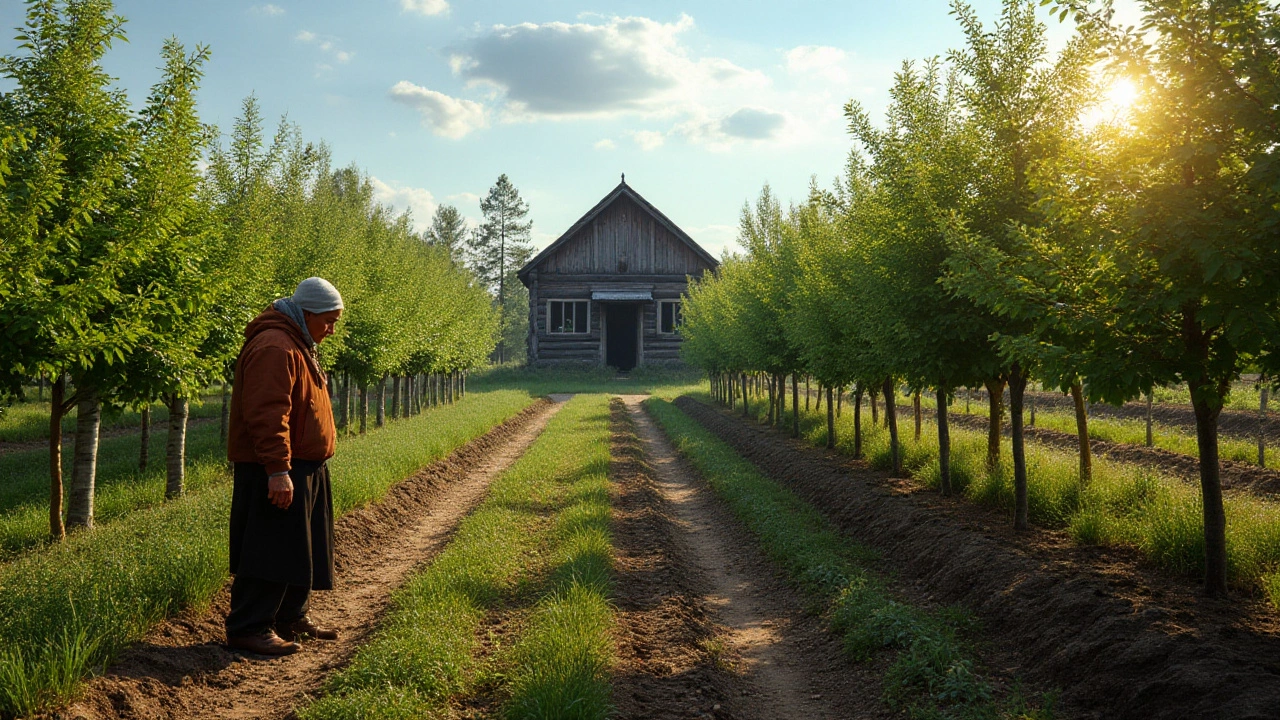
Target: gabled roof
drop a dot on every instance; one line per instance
(622, 189)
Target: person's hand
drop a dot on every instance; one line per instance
(280, 490)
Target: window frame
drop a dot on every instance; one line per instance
(675, 326)
(570, 301)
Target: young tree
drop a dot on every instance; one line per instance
(1024, 105)
(75, 317)
(495, 247)
(1191, 271)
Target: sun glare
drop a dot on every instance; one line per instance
(1114, 105)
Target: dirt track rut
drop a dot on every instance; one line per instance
(789, 666)
(182, 670)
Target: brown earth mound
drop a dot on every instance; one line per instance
(1119, 639)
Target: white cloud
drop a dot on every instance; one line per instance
(818, 60)
(425, 7)
(648, 139)
(446, 116)
(630, 64)
(267, 10)
(420, 203)
(328, 46)
(605, 144)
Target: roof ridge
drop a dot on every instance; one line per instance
(608, 199)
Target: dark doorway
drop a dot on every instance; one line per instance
(620, 325)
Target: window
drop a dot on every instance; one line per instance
(668, 316)
(568, 316)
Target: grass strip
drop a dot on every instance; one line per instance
(934, 673)
(1124, 504)
(544, 512)
(68, 610)
(1133, 431)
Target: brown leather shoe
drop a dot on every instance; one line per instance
(303, 627)
(263, 643)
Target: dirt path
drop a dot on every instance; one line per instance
(1119, 639)
(181, 670)
(789, 666)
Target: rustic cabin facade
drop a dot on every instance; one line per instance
(607, 291)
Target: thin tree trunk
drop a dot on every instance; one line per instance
(84, 469)
(871, 398)
(395, 397)
(916, 402)
(1017, 390)
(56, 401)
(175, 456)
(380, 417)
(944, 442)
(144, 449)
(745, 408)
(364, 408)
(345, 422)
(968, 393)
(839, 400)
(891, 418)
(831, 420)
(773, 399)
(817, 403)
(1151, 437)
(1031, 403)
(795, 406)
(995, 416)
(1215, 519)
(857, 421)
(806, 393)
(1082, 433)
(1262, 422)
(225, 415)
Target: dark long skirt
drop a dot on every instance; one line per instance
(293, 546)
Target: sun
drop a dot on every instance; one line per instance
(1114, 105)
(1120, 96)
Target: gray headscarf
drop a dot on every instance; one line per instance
(314, 295)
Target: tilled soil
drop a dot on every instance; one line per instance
(1120, 640)
(788, 666)
(182, 670)
(1235, 475)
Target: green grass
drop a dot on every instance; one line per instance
(29, 421)
(934, 672)
(1124, 504)
(69, 609)
(120, 487)
(541, 536)
(667, 382)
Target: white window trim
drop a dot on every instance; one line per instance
(675, 330)
(550, 331)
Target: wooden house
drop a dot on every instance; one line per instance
(607, 291)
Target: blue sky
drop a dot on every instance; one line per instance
(699, 103)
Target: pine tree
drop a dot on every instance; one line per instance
(448, 230)
(495, 248)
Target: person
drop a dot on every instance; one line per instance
(281, 434)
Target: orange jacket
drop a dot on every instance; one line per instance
(280, 401)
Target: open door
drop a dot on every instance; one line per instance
(622, 335)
